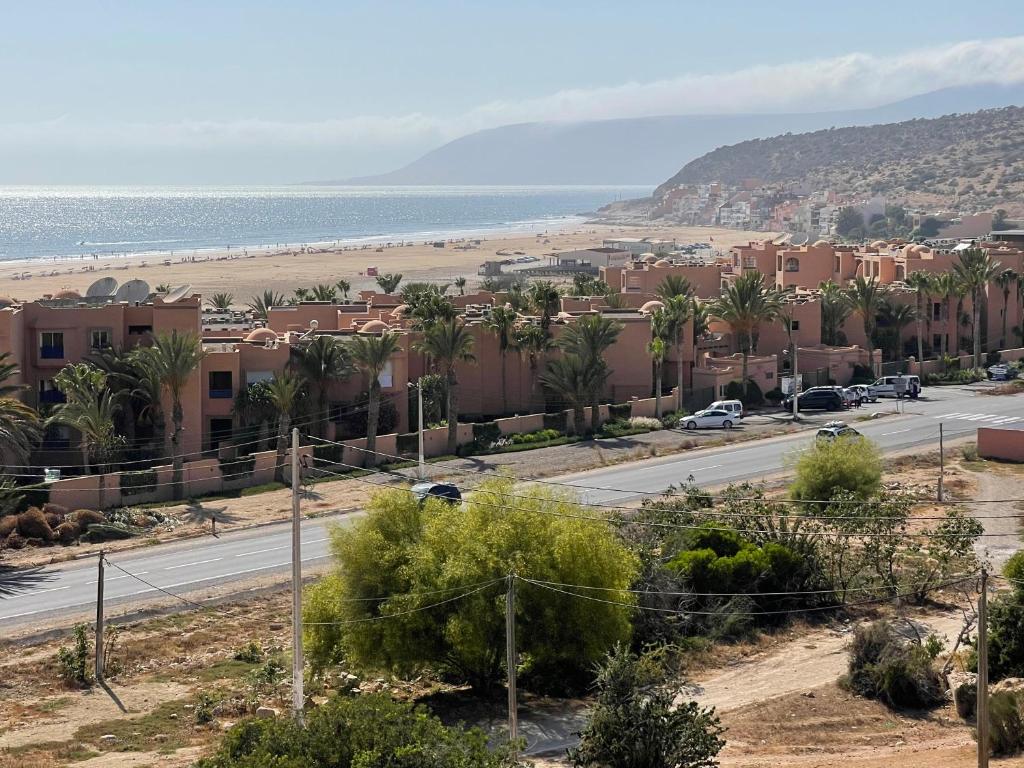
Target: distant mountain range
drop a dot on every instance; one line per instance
(643, 150)
(972, 161)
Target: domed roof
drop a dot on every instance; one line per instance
(261, 335)
(374, 326)
(663, 263)
(400, 310)
(67, 294)
(648, 258)
(821, 243)
(650, 306)
(879, 244)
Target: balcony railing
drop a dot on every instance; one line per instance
(220, 394)
(51, 353)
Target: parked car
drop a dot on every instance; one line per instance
(708, 418)
(886, 386)
(816, 399)
(735, 407)
(836, 429)
(862, 393)
(444, 491)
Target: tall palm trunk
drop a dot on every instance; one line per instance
(453, 413)
(679, 372)
(579, 420)
(920, 340)
(504, 385)
(372, 416)
(657, 388)
(975, 323)
(595, 410)
(178, 461)
(1006, 308)
(282, 446)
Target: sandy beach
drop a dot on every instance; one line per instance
(244, 273)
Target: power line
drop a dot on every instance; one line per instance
(397, 614)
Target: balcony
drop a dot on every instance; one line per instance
(51, 353)
(221, 394)
(52, 396)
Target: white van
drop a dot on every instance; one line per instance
(734, 407)
(890, 386)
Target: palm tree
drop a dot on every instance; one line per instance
(677, 310)
(283, 391)
(343, 286)
(976, 269)
(661, 328)
(1005, 281)
(254, 411)
(866, 298)
(19, 423)
(835, 308)
(221, 301)
(371, 355)
(260, 305)
(448, 343)
(921, 283)
(546, 300)
(389, 282)
(531, 341)
(325, 292)
(944, 286)
(460, 283)
(163, 288)
(700, 317)
(743, 306)
(172, 359)
(428, 308)
(299, 294)
(588, 338)
(502, 323)
(320, 363)
(892, 319)
(672, 286)
(572, 380)
(123, 378)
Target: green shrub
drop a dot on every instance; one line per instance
(238, 467)
(371, 731)
(138, 483)
(831, 466)
(1006, 729)
(619, 411)
(862, 374)
(774, 396)
(540, 436)
(1005, 635)
(1014, 569)
(250, 654)
(969, 452)
(557, 421)
(74, 663)
(203, 708)
(352, 422)
(32, 525)
(620, 429)
(896, 672)
(330, 453)
(408, 443)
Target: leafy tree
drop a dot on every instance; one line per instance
(371, 355)
(1006, 625)
(389, 282)
(403, 557)
(372, 731)
(929, 227)
(321, 362)
(744, 305)
(1000, 221)
(588, 338)
(975, 269)
(283, 391)
(850, 222)
(865, 298)
(449, 343)
(502, 323)
(254, 412)
(830, 466)
(221, 301)
(172, 359)
(260, 305)
(635, 723)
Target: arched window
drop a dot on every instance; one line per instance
(792, 264)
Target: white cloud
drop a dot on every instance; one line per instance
(849, 81)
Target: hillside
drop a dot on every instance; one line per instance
(641, 150)
(976, 159)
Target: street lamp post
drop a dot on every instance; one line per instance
(796, 380)
(419, 417)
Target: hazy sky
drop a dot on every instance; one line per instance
(251, 91)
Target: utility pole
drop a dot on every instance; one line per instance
(510, 662)
(942, 462)
(298, 697)
(982, 706)
(796, 382)
(419, 415)
(99, 621)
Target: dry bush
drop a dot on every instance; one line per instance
(55, 509)
(32, 525)
(7, 525)
(53, 520)
(68, 532)
(15, 541)
(87, 517)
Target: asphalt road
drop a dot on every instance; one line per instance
(29, 596)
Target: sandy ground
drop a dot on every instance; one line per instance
(283, 271)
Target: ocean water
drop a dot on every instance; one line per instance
(63, 221)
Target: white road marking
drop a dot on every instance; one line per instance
(701, 469)
(44, 591)
(897, 432)
(117, 578)
(189, 565)
(261, 551)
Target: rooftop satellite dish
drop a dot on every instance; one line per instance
(178, 293)
(800, 239)
(132, 291)
(782, 239)
(105, 286)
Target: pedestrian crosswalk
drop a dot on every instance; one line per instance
(986, 418)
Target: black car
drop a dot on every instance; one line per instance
(443, 491)
(816, 400)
